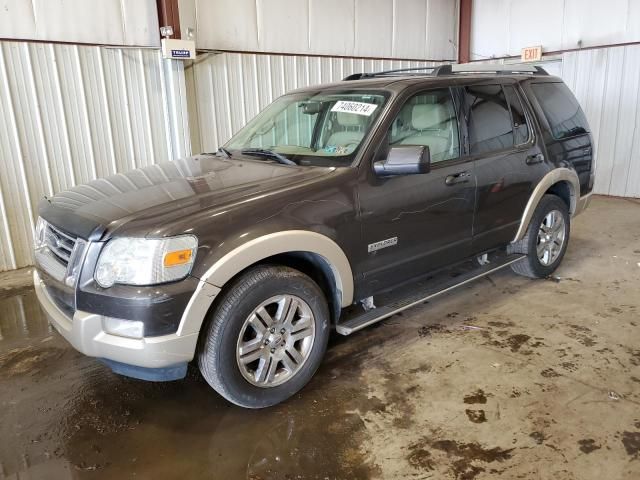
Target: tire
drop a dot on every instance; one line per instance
(252, 384)
(532, 265)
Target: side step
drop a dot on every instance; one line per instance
(420, 294)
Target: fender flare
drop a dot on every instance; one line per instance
(550, 179)
(258, 249)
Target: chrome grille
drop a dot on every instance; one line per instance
(59, 243)
(59, 256)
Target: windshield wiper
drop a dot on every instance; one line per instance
(263, 152)
(225, 152)
(220, 152)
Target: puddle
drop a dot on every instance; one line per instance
(68, 416)
(21, 318)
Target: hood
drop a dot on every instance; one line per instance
(154, 192)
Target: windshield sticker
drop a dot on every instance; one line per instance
(359, 108)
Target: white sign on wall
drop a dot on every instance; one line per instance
(178, 49)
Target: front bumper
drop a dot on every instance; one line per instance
(84, 332)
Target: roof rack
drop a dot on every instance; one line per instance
(449, 69)
(414, 70)
(492, 68)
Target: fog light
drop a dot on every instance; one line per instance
(123, 328)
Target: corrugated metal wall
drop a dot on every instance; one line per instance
(106, 22)
(503, 27)
(418, 29)
(606, 82)
(229, 89)
(71, 114)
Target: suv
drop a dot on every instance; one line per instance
(336, 207)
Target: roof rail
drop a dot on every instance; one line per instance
(491, 68)
(448, 69)
(360, 76)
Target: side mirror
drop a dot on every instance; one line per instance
(404, 160)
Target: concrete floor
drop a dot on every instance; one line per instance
(506, 378)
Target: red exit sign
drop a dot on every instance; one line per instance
(532, 54)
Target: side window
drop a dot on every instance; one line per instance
(429, 119)
(520, 127)
(561, 109)
(489, 121)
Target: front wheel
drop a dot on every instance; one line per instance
(546, 239)
(266, 337)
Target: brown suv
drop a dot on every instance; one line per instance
(328, 210)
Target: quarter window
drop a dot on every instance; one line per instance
(428, 119)
(520, 127)
(561, 109)
(488, 119)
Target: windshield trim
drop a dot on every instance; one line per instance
(379, 123)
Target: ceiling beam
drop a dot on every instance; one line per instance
(168, 15)
(464, 31)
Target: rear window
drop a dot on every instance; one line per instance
(561, 109)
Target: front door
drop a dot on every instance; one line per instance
(413, 224)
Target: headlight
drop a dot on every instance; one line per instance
(145, 261)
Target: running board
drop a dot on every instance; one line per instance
(356, 322)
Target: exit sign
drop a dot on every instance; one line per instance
(532, 54)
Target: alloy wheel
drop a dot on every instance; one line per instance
(275, 340)
(551, 236)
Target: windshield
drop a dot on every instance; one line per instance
(313, 128)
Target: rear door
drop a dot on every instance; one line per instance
(508, 164)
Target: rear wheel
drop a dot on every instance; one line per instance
(546, 239)
(266, 337)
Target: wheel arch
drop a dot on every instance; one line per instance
(296, 248)
(318, 269)
(562, 182)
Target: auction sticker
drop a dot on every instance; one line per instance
(359, 108)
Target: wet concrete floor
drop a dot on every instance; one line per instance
(506, 378)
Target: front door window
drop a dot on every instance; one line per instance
(428, 119)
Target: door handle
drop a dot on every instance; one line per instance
(533, 159)
(461, 177)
